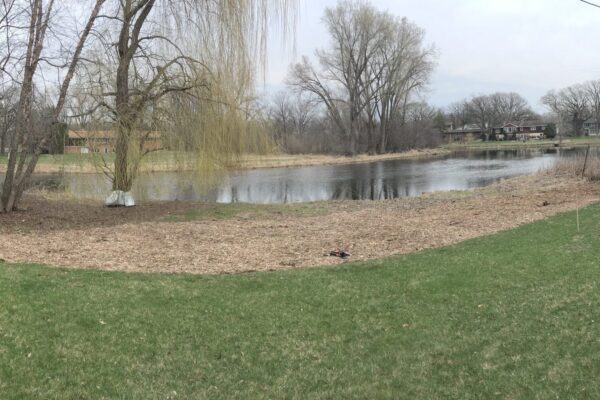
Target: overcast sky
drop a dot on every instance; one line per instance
(526, 46)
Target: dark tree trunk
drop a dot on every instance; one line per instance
(122, 179)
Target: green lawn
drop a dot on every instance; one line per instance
(510, 316)
(94, 159)
(59, 159)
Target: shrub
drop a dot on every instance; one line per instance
(575, 167)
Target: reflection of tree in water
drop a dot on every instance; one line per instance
(390, 192)
(371, 189)
(234, 194)
(376, 181)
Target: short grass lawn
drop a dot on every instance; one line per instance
(510, 316)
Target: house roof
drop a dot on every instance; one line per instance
(533, 123)
(103, 134)
(465, 129)
(522, 124)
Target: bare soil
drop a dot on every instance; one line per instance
(144, 239)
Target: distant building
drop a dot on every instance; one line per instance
(591, 128)
(524, 130)
(83, 141)
(462, 134)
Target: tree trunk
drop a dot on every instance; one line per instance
(122, 179)
(353, 139)
(383, 137)
(25, 149)
(2, 143)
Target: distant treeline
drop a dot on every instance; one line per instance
(365, 93)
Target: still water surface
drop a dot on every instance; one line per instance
(372, 181)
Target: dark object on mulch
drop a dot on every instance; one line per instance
(339, 253)
(545, 203)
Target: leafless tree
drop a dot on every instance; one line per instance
(571, 104)
(510, 107)
(418, 129)
(489, 111)
(405, 67)
(34, 21)
(304, 78)
(280, 113)
(481, 112)
(374, 65)
(355, 35)
(303, 113)
(592, 90)
(11, 11)
(8, 103)
(291, 116)
(458, 114)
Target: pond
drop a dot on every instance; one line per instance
(367, 181)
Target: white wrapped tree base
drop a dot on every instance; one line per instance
(119, 198)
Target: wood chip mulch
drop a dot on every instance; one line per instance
(85, 235)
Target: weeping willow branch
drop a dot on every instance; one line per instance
(184, 70)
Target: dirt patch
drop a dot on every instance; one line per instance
(85, 235)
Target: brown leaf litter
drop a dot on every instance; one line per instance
(85, 235)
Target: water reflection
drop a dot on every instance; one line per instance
(372, 181)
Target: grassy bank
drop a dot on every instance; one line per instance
(515, 144)
(514, 315)
(171, 161)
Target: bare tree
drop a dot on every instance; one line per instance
(355, 35)
(418, 129)
(303, 114)
(26, 144)
(405, 69)
(304, 78)
(510, 107)
(290, 116)
(571, 104)
(10, 12)
(592, 90)
(8, 103)
(374, 65)
(481, 112)
(281, 113)
(458, 114)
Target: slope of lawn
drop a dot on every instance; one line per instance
(515, 315)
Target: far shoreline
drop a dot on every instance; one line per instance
(166, 162)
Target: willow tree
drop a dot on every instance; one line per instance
(185, 69)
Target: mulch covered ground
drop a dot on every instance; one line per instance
(85, 235)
